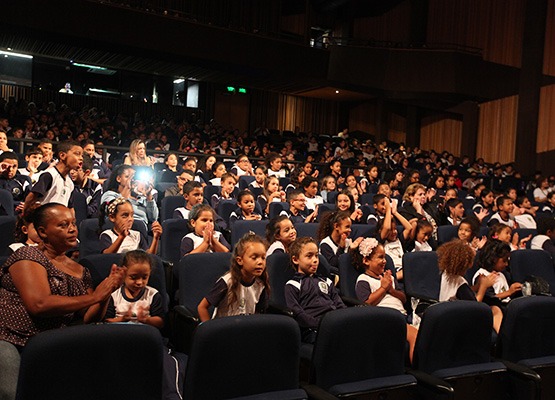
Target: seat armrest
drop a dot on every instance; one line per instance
(316, 392)
(432, 382)
(279, 309)
(184, 313)
(521, 371)
(352, 302)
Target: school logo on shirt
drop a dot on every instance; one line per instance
(323, 287)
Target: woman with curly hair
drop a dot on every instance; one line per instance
(455, 258)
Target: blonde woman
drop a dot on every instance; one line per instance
(137, 155)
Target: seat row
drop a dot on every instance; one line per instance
(359, 353)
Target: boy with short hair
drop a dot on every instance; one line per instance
(33, 158)
(503, 215)
(228, 181)
(310, 187)
(86, 186)
(54, 184)
(193, 192)
(17, 185)
(297, 208)
(177, 190)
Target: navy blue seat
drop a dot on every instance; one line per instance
(92, 361)
(6, 200)
(7, 225)
(454, 345)
(276, 207)
(240, 228)
(342, 358)
(307, 230)
(169, 204)
(213, 373)
(421, 275)
(526, 263)
(195, 275)
(173, 231)
(245, 180)
(446, 233)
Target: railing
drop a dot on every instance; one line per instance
(326, 41)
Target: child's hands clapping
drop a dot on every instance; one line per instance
(386, 281)
(488, 281)
(356, 242)
(356, 215)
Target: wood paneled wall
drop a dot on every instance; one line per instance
(396, 128)
(441, 133)
(497, 130)
(308, 114)
(546, 118)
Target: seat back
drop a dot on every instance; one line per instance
(307, 230)
(446, 233)
(173, 231)
(6, 200)
(453, 334)
(80, 207)
(244, 181)
(100, 265)
(280, 271)
(7, 225)
(362, 230)
(225, 208)
(240, 228)
(91, 362)
(421, 275)
(169, 204)
(527, 329)
(196, 274)
(348, 339)
(276, 207)
(209, 190)
(524, 263)
(268, 345)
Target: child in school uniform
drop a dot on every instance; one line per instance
(298, 212)
(280, 233)
(503, 215)
(377, 286)
(455, 258)
(228, 182)
(386, 232)
(307, 294)
(333, 234)
(246, 208)
(244, 289)
(54, 184)
(203, 239)
(121, 238)
(193, 192)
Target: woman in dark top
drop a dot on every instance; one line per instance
(43, 289)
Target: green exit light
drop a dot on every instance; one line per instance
(242, 90)
(231, 89)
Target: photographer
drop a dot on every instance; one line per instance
(138, 190)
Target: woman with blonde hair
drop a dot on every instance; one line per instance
(137, 155)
